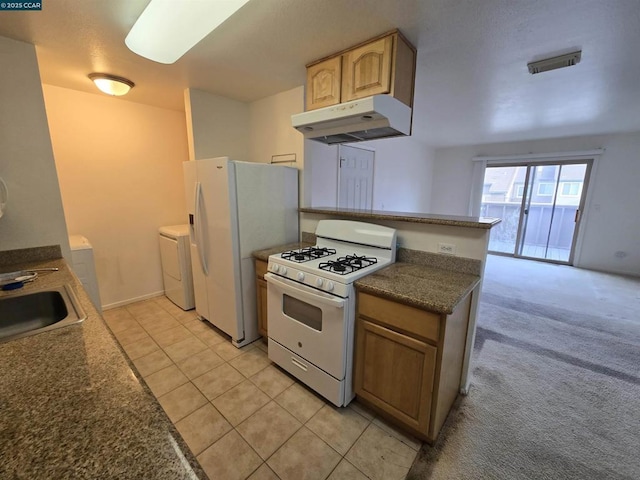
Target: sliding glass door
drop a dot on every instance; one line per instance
(539, 205)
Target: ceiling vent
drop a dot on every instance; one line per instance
(561, 61)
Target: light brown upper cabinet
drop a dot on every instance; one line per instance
(323, 83)
(367, 70)
(383, 65)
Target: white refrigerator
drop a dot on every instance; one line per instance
(234, 209)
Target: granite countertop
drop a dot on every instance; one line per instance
(264, 254)
(72, 407)
(420, 286)
(427, 218)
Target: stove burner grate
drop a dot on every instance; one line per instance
(347, 264)
(307, 254)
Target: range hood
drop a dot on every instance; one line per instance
(378, 116)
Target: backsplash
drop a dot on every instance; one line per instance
(438, 260)
(25, 255)
(308, 237)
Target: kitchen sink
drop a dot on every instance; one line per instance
(40, 311)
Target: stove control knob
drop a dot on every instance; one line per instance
(300, 276)
(330, 286)
(283, 270)
(275, 268)
(319, 282)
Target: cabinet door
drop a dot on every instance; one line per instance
(323, 83)
(395, 372)
(261, 292)
(367, 70)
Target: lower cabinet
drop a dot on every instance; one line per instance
(261, 294)
(408, 362)
(396, 373)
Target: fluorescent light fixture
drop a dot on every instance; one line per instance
(167, 29)
(560, 61)
(111, 84)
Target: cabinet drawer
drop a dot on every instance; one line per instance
(320, 381)
(261, 268)
(408, 319)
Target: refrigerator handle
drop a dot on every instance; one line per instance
(197, 232)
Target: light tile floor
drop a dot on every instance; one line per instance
(244, 417)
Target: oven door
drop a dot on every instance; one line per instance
(310, 323)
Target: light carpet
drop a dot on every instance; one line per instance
(555, 394)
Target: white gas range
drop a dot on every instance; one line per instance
(311, 303)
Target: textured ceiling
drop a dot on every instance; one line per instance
(472, 83)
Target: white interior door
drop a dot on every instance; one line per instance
(355, 177)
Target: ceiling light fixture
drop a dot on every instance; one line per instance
(111, 84)
(552, 63)
(166, 30)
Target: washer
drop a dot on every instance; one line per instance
(176, 265)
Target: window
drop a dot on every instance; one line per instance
(546, 189)
(303, 312)
(519, 191)
(571, 189)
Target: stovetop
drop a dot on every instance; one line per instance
(345, 252)
(339, 263)
(348, 264)
(326, 270)
(307, 254)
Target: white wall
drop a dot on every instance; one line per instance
(611, 220)
(271, 132)
(402, 175)
(402, 167)
(217, 126)
(120, 169)
(34, 215)
(322, 163)
(251, 132)
(401, 178)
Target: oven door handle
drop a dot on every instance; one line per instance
(304, 292)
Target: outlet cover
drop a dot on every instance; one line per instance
(447, 248)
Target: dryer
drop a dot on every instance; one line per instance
(176, 265)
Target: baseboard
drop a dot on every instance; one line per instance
(132, 300)
(613, 271)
